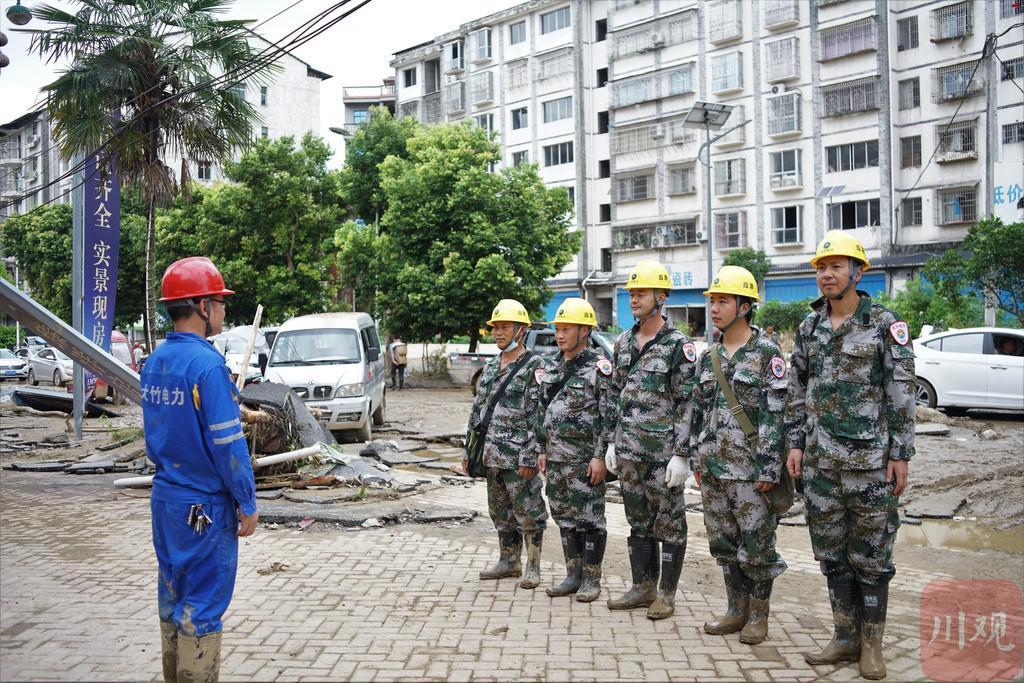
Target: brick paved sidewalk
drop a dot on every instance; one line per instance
(77, 602)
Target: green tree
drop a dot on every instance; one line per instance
(919, 303)
(373, 142)
(269, 231)
(786, 316)
(459, 237)
(150, 63)
(754, 260)
(360, 253)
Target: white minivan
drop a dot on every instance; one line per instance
(333, 361)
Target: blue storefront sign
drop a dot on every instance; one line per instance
(102, 248)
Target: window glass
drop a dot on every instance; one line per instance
(963, 343)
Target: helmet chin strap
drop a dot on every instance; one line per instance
(579, 341)
(206, 319)
(850, 284)
(655, 310)
(514, 344)
(732, 322)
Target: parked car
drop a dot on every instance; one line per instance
(233, 344)
(122, 350)
(333, 362)
(978, 367)
(34, 342)
(11, 366)
(49, 365)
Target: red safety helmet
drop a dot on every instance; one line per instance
(192, 277)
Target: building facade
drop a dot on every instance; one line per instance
(358, 103)
(889, 119)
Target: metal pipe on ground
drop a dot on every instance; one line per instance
(139, 482)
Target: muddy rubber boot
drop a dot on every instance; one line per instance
(531, 578)
(510, 545)
(169, 650)
(845, 643)
(594, 543)
(573, 551)
(643, 556)
(737, 598)
(199, 658)
(872, 625)
(756, 629)
(664, 605)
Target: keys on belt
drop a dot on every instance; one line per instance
(198, 519)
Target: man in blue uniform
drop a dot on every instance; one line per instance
(204, 492)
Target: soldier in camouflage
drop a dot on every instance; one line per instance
(650, 386)
(735, 470)
(572, 446)
(514, 497)
(850, 428)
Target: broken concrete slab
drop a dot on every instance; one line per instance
(49, 466)
(271, 494)
(406, 458)
(931, 429)
(392, 512)
(441, 465)
(302, 428)
(329, 496)
(936, 505)
(96, 467)
(396, 445)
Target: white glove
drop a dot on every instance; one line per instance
(610, 461)
(677, 472)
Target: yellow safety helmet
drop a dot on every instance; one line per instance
(649, 275)
(576, 311)
(509, 310)
(734, 280)
(839, 243)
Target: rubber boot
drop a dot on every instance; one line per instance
(573, 551)
(594, 543)
(756, 629)
(664, 605)
(643, 561)
(736, 612)
(510, 545)
(531, 578)
(872, 627)
(845, 643)
(169, 650)
(199, 658)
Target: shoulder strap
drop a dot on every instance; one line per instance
(570, 368)
(654, 340)
(730, 397)
(485, 423)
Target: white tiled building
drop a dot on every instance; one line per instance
(846, 102)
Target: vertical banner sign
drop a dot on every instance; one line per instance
(102, 246)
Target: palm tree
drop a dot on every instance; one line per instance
(140, 79)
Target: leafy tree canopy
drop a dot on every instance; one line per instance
(373, 142)
(754, 260)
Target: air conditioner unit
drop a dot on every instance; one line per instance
(34, 140)
(662, 230)
(701, 236)
(658, 241)
(657, 40)
(778, 89)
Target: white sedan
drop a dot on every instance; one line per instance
(49, 365)
(977, 367)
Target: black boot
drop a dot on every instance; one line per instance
(573, 551)
(671, 567)
(531, 577)
(874, 606)
(738, 603)
(845, 644)
(756, 629)
(643, 560)
(510, 545)
(593, 555)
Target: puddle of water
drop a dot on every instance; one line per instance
(962, 535)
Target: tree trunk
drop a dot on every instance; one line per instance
(148, 321)
(474, 339)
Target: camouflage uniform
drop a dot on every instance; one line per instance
(740, 524)
(851, 408)
(515, 504)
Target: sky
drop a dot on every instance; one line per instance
(355, 52)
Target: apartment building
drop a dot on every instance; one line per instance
(359, 101)
(29, 163)
(858, 117)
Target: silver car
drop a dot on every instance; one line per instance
(12, 367)
(49, 365)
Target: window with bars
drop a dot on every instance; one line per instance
(517, 74)
(731, 229)
(555, 155)
(679, 81)
(554, 64)
(953, 21)
(849, 97)
(432, 76)
(855, 214)
(1013, 132)
(520, 158)
(784, 169)
(911, 212)
(481, 87)
(957, 141)
(910, 94)
(784, 114)
(633, 42)
(631, 92)
(636, 139)
(455, 97)
(633, 237)
(787, 225)
(779, 13)
(634, 188)
(408, 109)
(906, 34)
(847, 39)
(455, 60)
(956, 81)
(556, 110)
(432, 108)
(555, 21)
(782, 59)
(680, 133)
(1010, 8)
(739, 135)
(725, 21)
(480, 44)
(955, 205)
(680, 28)
(680, 233)
(730, 177)
(682, 179)
(852, 156)
(517, 33)
(1013, 68)
(727, 72)
(653, 36)
(910, 151)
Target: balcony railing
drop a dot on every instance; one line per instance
(369, 92)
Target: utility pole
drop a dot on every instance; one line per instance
(78, 287)
(991, 141)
